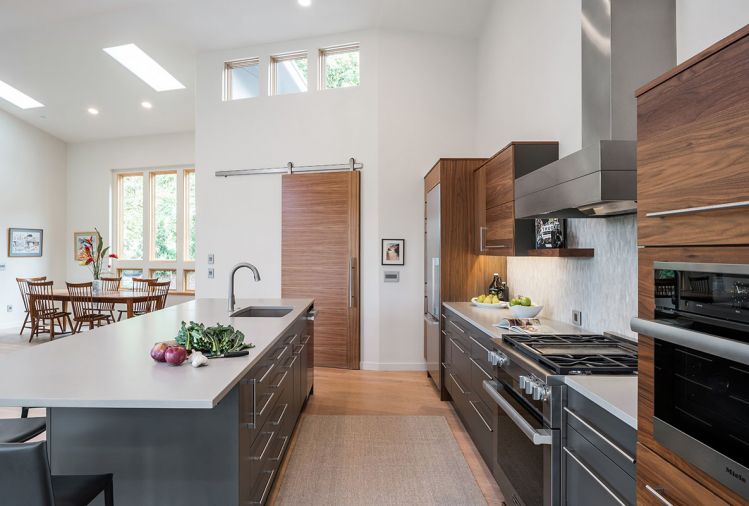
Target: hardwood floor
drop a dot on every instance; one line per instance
(347, 392)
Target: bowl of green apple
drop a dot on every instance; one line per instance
(523, 307)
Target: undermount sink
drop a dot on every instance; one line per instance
(262, 312)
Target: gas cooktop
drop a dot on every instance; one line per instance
(577, 353)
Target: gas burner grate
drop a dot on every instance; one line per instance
(577, 354)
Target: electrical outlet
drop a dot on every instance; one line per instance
(2, 267)
(577, 317)
(9, 308)
(211, 258)
(210, 273)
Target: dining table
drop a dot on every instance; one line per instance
(127, 297)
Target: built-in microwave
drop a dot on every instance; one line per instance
(701, 367)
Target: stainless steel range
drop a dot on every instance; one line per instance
(529, 373)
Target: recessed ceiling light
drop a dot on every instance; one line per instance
(146, 105)
(93, 111)
(139, 63)
(17, 97)
(305, 3)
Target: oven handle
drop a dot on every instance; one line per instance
(538, 437)
(713, 345)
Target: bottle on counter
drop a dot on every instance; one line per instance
(495, 285)
(503, 292)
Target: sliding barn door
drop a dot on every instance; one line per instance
(320, 259)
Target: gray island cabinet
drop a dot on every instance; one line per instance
(214, 435)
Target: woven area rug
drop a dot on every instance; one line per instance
(351, 460)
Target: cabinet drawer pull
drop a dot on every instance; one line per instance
(457, 384)
(266, 373)
(262, 410)
(291, 364)
(497, 246)
(482, 238)
(307, 337)
(291, 340)
(265, 448)
(700, 209)
(480, 368)
(283, 447)
(598, 433)
(479, 344)
(283, 352)
(266, 489)
(280, 417)
(457, 345)
(456, 326)
(299, 348)
(280, 382)
(473, 405)
(654, 492)
(596, 478)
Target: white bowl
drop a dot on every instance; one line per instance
(526, 311)
(501, 305)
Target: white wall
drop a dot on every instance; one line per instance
(700, 23)
(89, 183)
(415, 103)
(32, 195)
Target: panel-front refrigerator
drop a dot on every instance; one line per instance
(432, 277)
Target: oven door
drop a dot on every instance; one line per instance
(527, 462)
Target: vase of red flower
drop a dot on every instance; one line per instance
(93, 256)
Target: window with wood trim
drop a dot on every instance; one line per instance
(339, 67)
(241, 79)
(154, 232)
(288, 73)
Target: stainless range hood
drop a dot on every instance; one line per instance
(625, 43)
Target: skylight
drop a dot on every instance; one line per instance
(139, 63)
(17, 97)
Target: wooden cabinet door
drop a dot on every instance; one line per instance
(479, 182)
(693, 153)
(500, 178)
(659, 483)
(499, 235)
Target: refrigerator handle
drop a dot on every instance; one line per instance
(435, 278)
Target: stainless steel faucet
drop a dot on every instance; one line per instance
(255, 272)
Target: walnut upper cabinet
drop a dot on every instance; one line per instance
(499, 233)
(693, 150)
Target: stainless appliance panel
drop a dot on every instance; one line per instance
(432, 330)
(432, 262)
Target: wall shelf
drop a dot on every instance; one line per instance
(562, 252)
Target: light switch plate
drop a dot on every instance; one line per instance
(577, 317)
(9, 308)
(211, 258)
(210, 273)
(2, 267)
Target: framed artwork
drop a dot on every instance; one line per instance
(79, 240)
(393, 252)
(25, 242)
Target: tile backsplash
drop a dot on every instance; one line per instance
(604, 287)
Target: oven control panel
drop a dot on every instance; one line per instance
(534, 387)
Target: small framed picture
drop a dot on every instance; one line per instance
(393, 252)
(80, 241)
(25, 242)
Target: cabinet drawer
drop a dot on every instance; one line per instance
(659, 483)
(482, 423)
(500, 230)
(693, 155)
(603, 430)
(461, 364)
(479, 374)
(591, 478)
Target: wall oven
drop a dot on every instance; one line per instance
(701, 384)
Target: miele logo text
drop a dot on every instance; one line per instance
(735, 474)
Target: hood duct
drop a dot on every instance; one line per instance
(625, 43)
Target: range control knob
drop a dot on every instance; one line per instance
(541, 392)
(529, 384)
(523, 381)
(497, 358)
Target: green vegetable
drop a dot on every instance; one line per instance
(214, 340)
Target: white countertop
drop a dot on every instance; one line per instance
(110, 367)
(615, 394)
(485, 318)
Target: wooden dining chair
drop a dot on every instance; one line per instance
(23, 285)
(139, 308)
(109, 285)
(43, 309)
(84, 309)
(159, 290)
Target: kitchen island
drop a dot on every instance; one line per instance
(171, 435)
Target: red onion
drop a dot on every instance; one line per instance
(157, 352)
(175, 355)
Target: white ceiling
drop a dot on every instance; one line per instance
(52, 50)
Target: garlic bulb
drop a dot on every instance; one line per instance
(197, 359)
